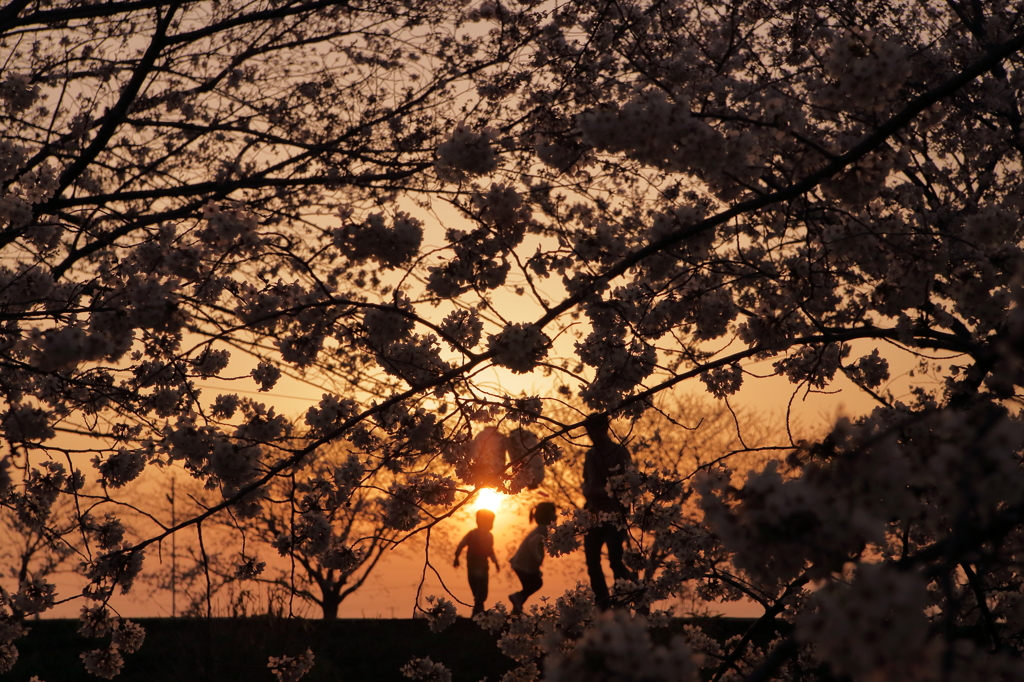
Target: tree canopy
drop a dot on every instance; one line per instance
(396, 202)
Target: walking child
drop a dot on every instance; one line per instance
(479, 544)
(530, 555)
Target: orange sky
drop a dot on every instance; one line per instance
(391, 590)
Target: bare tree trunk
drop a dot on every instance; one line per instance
(329, 605)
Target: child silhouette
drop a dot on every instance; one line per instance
(479, 544)
(530, 555)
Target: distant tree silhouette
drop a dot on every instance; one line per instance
(330, 561)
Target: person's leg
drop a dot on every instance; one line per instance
(592, 543)
(478, 583)
(531, 583)
(616, 538)
(517, 598)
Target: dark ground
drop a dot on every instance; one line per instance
(229, 649)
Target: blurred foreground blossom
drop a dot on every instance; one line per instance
(291, 668)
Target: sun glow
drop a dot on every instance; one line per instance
(488, 498)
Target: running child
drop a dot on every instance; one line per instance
(479, 544)
(530, 555)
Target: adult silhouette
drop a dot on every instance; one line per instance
(606, 458)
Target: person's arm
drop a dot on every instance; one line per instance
(620, 459)
(458, 550)
(538, 549)
(494, 558)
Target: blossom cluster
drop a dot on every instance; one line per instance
(518, 347)
(481, 259)
(125, 637)
(464, 153)
(618, 647)
(416, 359)
(291, 668)
(18, 92)
(873, 628)
(867, 70)
(462, 329)
(426, 670)
(664, 132)
(723, 381)
(326, 415)
(229, 227)
(390, 245)
(118, 567)
(620, 365)
(440, 614)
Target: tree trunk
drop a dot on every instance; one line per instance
(329, 606)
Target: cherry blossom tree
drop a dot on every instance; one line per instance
(636, 194)
(34, 550)
(316, 549)
(163, 164)
(301, 555)
(794, 181)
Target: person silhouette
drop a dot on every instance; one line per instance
(530, 555)
(606, 458)
(479, 544)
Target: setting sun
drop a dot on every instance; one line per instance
(489, 499)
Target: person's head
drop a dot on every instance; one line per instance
(544, 514)
(485, 519)
(596, 425)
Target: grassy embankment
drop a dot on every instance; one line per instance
(229, 650)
